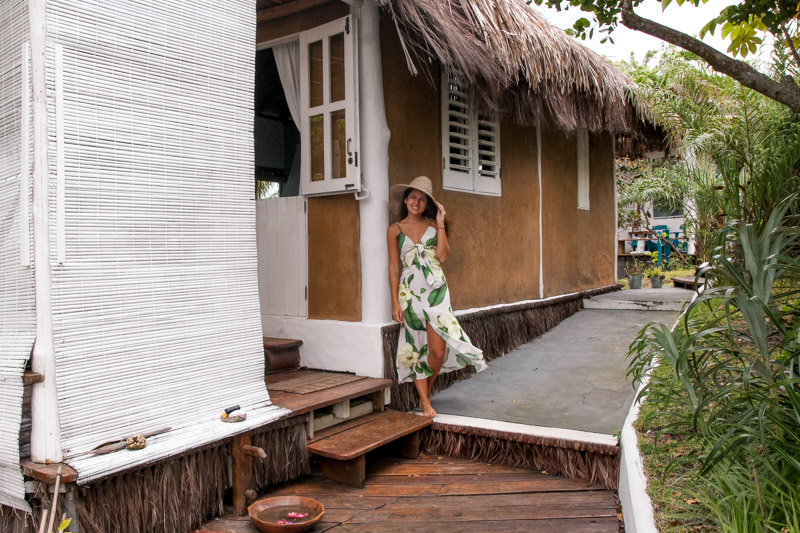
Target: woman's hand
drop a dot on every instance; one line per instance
(397, 312)
(440, 215)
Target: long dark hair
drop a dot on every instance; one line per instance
(430, 210)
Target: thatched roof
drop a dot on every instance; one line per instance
(519, 63)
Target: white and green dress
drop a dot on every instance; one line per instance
(424, 297)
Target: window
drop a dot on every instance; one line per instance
(329, 124)
(470, 141)
(583, 168)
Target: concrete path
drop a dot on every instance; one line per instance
(572, 377)
(666, 299)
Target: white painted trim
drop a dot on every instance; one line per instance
(332, 344)
(45, 429)
(637, 508)
(275, 42)
(512, 304)
(541, 233)
(25, 159)
(524, 429)
(616, 207)
(376, 301)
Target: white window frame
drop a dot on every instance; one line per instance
(582, 141)
(482, 134)
(352, 182)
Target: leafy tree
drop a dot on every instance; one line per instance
(742, 24)
(740, 151)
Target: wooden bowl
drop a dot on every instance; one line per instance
(266, 513)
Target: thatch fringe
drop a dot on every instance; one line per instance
(287, 454)
(496, 331)
(592, 462)
(518, 62)
(16, 521)
(176, 495)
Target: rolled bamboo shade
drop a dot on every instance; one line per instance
(17, 318)
(156, 313)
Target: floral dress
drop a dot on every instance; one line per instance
(424, 298)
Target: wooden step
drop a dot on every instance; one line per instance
(342, 448)
(281, 354)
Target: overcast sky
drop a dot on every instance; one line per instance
(685, 18)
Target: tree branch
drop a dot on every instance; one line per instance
(790, 42)
(786, 91)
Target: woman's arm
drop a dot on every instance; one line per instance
(394, 270)
(442, 246)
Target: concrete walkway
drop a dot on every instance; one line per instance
(573, 376)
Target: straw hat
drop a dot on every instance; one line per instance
(421, 183)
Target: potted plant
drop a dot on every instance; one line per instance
(635, 273)
(656, 276)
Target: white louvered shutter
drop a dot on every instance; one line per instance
(487, 175)
(457, 133)
(470, 143)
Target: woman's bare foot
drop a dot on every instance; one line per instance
(428, 410)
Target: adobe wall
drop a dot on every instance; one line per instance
(334, 264)
(495, 240)
(578, 245)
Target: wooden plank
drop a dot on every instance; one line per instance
(585, 525)
(378, 467)
(518, 486)
(289, 206)
(276, 343)
(588, 498)
(287, 9)
(327, 487)
(48, 472)
(447, 479)
(280, 283)
(302, 256)
(380, 429)
(303, 403)
(484, 513)
(355, 500)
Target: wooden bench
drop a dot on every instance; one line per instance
(687, 282)
(342, 448)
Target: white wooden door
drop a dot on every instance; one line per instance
(282, 256)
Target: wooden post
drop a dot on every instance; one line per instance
(45, 430)
(242, 472)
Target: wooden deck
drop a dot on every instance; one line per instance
(304, 403)
(441, 494)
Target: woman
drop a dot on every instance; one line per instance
(431, 340)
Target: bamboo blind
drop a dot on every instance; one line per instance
(17, 319)
(155, 296)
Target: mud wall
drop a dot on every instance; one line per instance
(578, 245)
(334, 258)
(494, 240)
